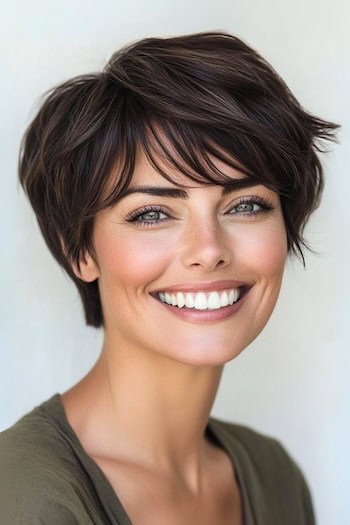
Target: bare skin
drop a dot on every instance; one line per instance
(151, 499)
(142, 411)
(149, 495)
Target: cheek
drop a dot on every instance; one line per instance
(264, 250)
(133, 260)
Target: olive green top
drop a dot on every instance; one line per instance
(48, 478)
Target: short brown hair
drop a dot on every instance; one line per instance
(208, 94)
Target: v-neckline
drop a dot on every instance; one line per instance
(112, 504)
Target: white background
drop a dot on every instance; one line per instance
(292, 381)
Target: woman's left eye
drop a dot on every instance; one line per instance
(246, 207)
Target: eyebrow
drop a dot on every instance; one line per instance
(178, 193)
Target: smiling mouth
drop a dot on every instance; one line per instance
(201, 301)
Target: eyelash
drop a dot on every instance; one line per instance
(133, 217)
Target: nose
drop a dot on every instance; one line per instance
(205, 244)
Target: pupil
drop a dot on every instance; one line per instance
(245, 206)
(151, 214)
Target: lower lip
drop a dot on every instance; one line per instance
(205, 316)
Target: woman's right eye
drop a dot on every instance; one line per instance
(150, 214)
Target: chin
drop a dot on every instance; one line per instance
(201, 355)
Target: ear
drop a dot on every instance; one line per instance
(89, 270)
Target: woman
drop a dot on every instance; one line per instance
(171, 187)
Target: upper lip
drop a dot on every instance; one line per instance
(206, 286)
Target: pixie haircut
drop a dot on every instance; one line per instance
(207, 94)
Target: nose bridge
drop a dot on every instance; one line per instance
(205, 241)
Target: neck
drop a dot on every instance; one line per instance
(150, 410)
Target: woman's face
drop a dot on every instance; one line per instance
(188, 243)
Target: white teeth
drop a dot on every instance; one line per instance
(189, 301)
(214, 301)
(232, 296)
(180, 299)
(224, 299)
(200, 300)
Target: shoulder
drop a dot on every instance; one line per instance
(261, 448)
(39, 475)
(270, 468)
(36, 445)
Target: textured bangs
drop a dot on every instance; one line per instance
(174, 148)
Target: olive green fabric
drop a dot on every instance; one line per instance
(48, 479)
